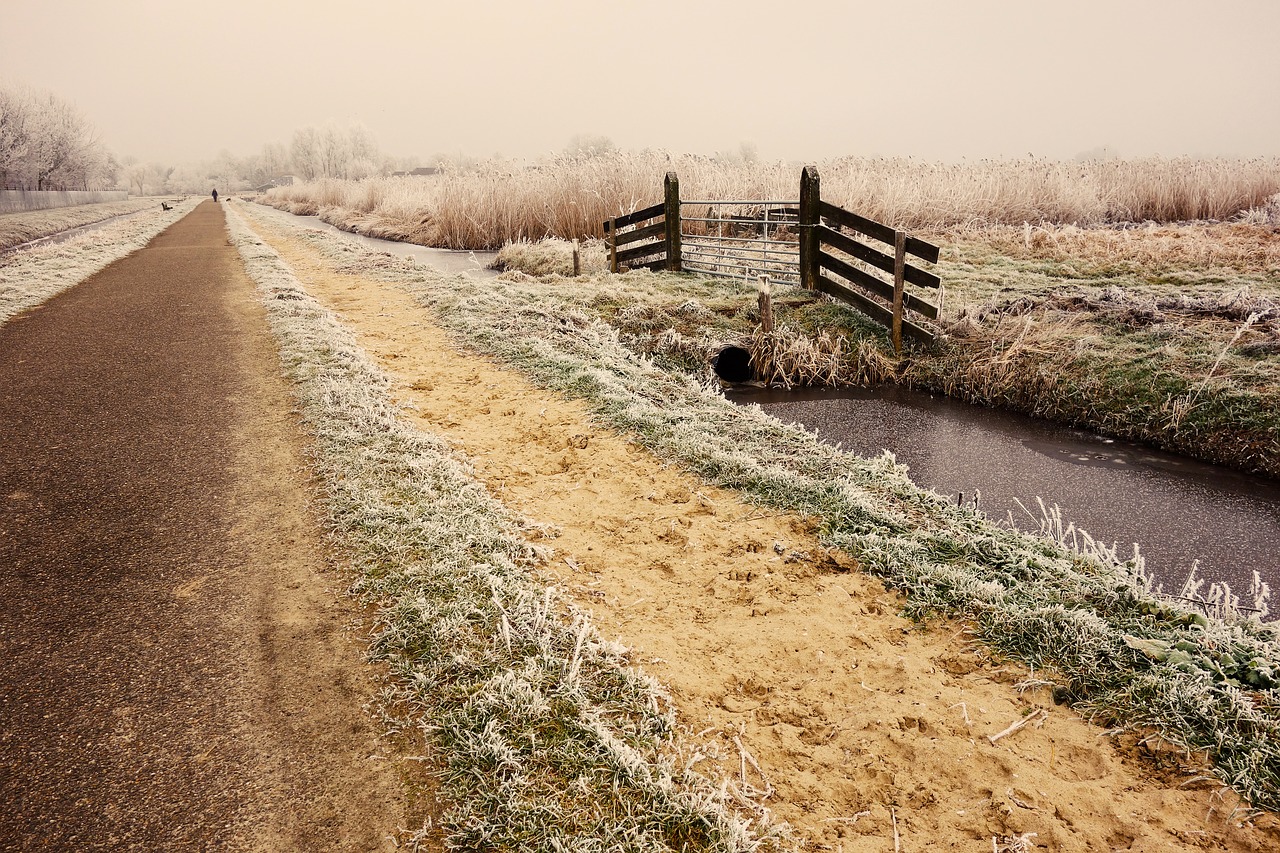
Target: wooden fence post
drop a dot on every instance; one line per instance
(671, 194)
(577, 259)
(810, 197)
(899, 282)
(613, 245)
(765, 301)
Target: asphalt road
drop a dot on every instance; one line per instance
(174, 670)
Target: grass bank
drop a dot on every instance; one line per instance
(19, 228)
(546, 737)
(1084, 620)
(30, 276)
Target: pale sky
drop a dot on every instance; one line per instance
(178, 81)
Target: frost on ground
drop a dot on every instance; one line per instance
(545, 736)
(31, 276)
(1117, 651)
(23, 227)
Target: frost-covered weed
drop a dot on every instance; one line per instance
(546, 738)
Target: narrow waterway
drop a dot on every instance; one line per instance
(63, 236)
(474, 264)
(1178, 510)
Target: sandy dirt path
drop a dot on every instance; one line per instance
(788, 666)
(178, 666)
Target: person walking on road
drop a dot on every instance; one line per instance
(215, 195)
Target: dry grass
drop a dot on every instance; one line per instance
(552, 257)
(1193, 372)
(787, 357)
(1150, 248)
(499, 202)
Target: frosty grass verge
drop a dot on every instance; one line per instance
(1118, 651)
(547, 739)
(31, 276)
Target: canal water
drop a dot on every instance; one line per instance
(1177, 509)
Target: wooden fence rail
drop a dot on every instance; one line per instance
(659, 241)
(825, 248)
(830, 261)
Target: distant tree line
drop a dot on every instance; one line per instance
(47, 144)
(346, 152)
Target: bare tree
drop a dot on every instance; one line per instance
(46, 143)
(334, 151)
(585, 145)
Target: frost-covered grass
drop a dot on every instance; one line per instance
(545, 737)
(552, 257)
(1119, 651)
(18, 228)
(30, 276)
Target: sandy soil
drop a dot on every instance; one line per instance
(788, 666)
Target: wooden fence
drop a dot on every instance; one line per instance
(825, 248)
(651, 238)
(842, 265)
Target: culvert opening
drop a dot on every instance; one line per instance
(733, 364)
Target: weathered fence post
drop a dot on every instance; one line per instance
(671, 194)
(899, 281)
(765, 301)
(613, 245)
(577, 259)
(810, 198)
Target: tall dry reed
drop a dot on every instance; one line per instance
(501, 201)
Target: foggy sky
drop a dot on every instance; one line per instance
(800, 80)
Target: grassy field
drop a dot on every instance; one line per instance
(1084, 620)
(19, 228)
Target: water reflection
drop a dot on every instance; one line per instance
(1177, 509)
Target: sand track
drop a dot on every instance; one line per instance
(790, 669)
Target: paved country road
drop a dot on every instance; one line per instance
(177, 670)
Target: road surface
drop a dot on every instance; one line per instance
(178, 667)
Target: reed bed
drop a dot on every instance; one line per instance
(500, 202)
(1150, 249)
(1090, 621)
